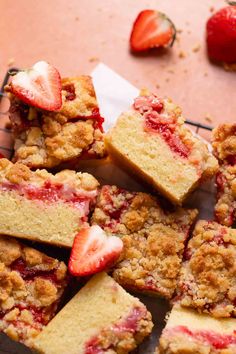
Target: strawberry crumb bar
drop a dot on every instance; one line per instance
(43, 207)
(224, 145)
(101, 318)
(152, 141)
(189, 332)
(31, 285)
(207, 279)
(153, 238)
(44, 139)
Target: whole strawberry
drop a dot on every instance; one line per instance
(221, 35)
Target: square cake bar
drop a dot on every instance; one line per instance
(152, 142)
(31, 286)
(224, 145)
(153, 237)
(43, 207)
(46, 139)
(208, 274)
(101, 318)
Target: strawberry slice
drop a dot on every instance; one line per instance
(39, 86)
(93, 251)
(151, 29)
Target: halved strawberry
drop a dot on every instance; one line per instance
(151, 29)
(39, 86)
(93, 251)
(2, 156)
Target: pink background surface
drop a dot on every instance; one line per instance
(75, 35)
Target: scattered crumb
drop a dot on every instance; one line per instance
(185, 71)
(163, 65)
(206, 74)
(189, 32)
(103, 42)
(93, 59)
(167, 79)
(212, 9)
(177, 39)
(171, 71)
(8, 125)
(187, 23)
(179, 30)
(229, 67)
(11, 61)
(208, 118)
(111, 16)
(196, 48)
(99, 9)
(182, 54)
(76, 18)
(158, 86)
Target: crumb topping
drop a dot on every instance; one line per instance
(207, 279)
(45, 139)
(31, 285)
(20, 174)
(224, 145)
(153, 238)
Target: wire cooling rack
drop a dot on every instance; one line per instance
(198, 126)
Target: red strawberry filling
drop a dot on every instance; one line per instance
(70, 92)
(129, 325)
(29, 273)
(53, 192)
(157, 121)
(216, 340)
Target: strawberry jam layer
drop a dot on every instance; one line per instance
(53, 192)
(215, 340)
(29, 273)
(129, 325)
(158, 121)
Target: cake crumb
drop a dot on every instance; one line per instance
(208, 118)
(189, 32)
(10, 61)
(211, 9)
(171, 71)
(158, 86)
(185, 71)
(179, 30)
(167, 79)
(76, 18)
(205, 73)
(93, 59)
(196, 48)
(182, 54)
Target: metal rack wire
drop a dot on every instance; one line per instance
(198, 126)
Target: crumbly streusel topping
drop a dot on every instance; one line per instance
(224, 141)
(31, 285)
(225, 208)
(208, 275)
(45, 139)
(224, 145)
(19, 173)
(153, 238)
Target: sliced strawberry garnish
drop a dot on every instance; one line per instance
(221, 35)
(151, 29)
(93, 251)
(39, 86)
